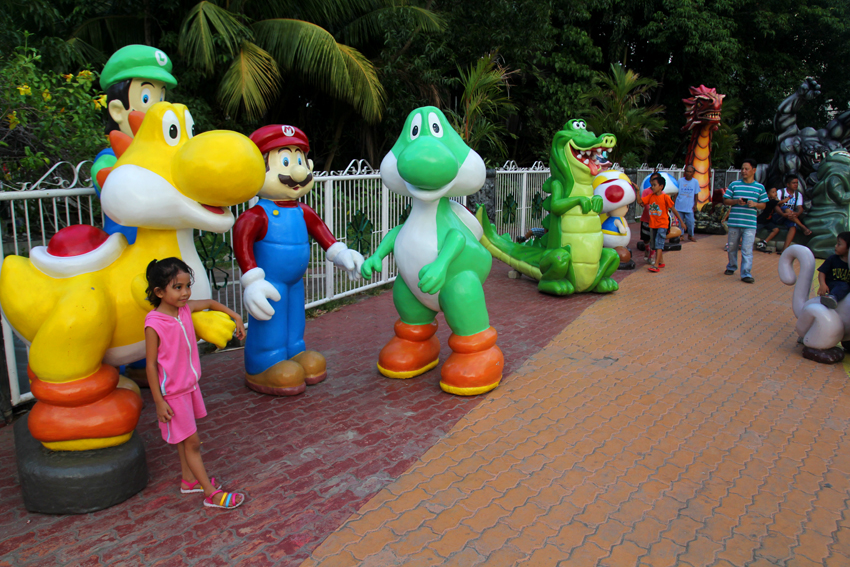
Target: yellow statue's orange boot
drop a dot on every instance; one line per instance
(413, 350)
(475, 365)
(94, 412)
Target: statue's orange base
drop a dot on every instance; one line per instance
(94, 460)
(91, 413)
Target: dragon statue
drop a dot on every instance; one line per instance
(800, 151)
(569, 258)
(702, 113)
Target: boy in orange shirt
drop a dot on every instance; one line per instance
(658, 204)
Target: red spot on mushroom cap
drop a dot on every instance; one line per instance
(614, 193)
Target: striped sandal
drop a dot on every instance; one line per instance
(195, 486)
(228, 500)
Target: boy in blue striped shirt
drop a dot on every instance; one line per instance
(747, 197)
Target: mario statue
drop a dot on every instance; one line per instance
(135, 78)
(273, 249)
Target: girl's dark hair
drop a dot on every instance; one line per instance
(659, 178)
(160, 273)
(845, 236)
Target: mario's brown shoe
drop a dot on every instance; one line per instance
(413, 350)
(286, 378)
(475, 365)
(314, 365)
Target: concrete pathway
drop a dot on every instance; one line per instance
(673, 423)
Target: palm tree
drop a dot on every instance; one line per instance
(484, 105)
(259, 43)
(265, 41)
(616, 107)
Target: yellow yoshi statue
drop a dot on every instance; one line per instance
(80, 303)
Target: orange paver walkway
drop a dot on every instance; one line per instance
(702, 439)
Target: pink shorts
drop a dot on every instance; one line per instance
(187, 408)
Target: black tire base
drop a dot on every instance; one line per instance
(77, 482)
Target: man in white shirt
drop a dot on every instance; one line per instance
(788, 212)
(686, 202)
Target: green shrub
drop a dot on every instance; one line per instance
(46, 117)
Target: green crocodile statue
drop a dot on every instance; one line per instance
(569, 258)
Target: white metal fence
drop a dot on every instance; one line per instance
(519, 192)
(519, 198)
(356, 206)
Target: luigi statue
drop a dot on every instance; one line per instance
(135, 78)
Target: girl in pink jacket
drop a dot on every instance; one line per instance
(174, 369)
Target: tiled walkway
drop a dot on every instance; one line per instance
(306, 463)
(673, 423)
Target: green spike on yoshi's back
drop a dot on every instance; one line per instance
(571, 258)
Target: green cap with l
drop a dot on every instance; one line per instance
(137, 62)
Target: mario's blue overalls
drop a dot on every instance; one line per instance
(284, 254)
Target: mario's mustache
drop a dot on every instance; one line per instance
(287, 180)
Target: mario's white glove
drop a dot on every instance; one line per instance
(257, 294)
(347, 259)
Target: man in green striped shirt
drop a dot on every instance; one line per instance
(747, 197)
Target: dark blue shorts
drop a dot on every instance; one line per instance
(658, 238)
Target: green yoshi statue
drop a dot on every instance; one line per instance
(442, 266)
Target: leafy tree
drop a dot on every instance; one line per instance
(45, 117)
(484, 105)
(617, 107)
(559, 75)
(724, 141)
(298, 37)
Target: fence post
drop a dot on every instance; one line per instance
(329, 221)
(385, 228)
(523, 197)
(11, 362)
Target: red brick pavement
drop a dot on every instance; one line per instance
(306, 463)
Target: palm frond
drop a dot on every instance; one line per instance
(252, 81)
(311, 52)
(84, 53)
(197, 33)
(120, 29)
(766, 138)
(368, 92)
(371, 25)
(615, 106)
(325, 13)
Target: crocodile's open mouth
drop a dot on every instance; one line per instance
(596, 159)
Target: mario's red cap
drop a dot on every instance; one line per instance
(275, 136)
